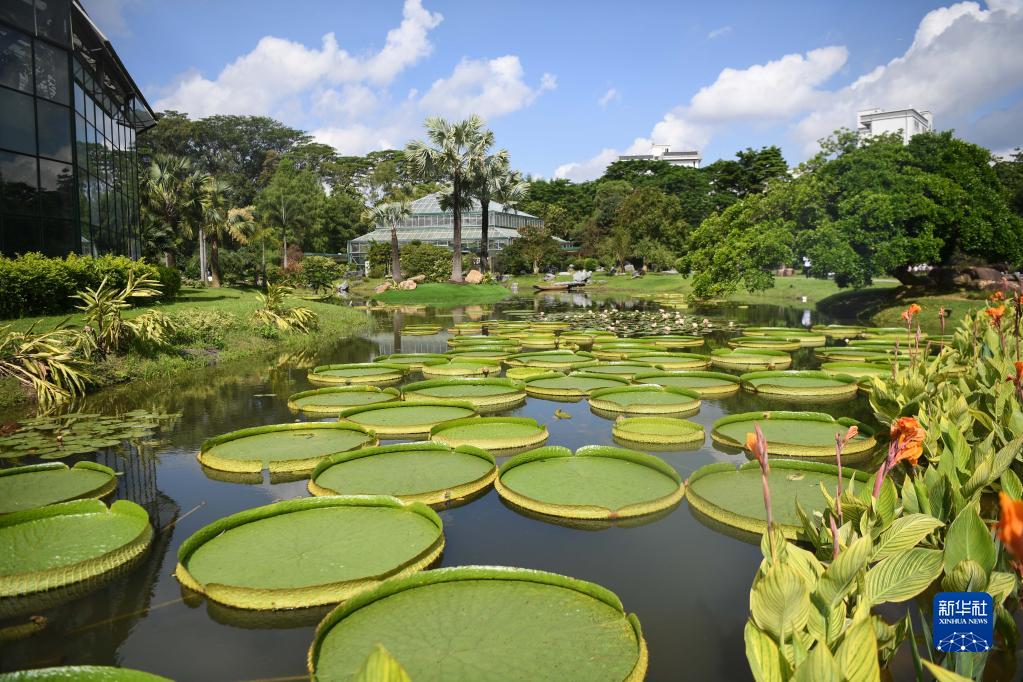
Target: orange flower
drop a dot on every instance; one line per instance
(907, 440)
(995, 314)
(1019, 371)
(1010, 524)
(997, 296)
(914, 308)
(909, 312)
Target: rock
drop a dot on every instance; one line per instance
(381, 288)
(407, 285)
(1003, 285)
(474, 277)
(989, 274)
(629, 268)
(418, 279)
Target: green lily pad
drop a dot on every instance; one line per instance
(54, 437)
(621, 348)
(674, 341)
(645, 399)
(625, 370)
(807, 339)
(414, 361)
(485, 352)
(420, 329)
(494, 434)
(431, 473)
(282, 448)
(556, 359)
(838, 331)
(39, 485)
(378, 373)
(574, 386)
(346, 545)
(796, 434)
(657, 431)
(82, 673)
(401, 418)
(851, 354)
(858, 370)
(750, 359)
(597, 482)
(735, 497)
(489, 394)
(801, 385)
(765, 343)
(333, 399)
(62, 544)
(463, 367)
(670, 361)
(705, 384)
(526, 616)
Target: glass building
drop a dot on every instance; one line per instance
(69, 114)
(430, 224)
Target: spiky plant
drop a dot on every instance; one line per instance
(110, 332)
(275, 313)
(47, 363)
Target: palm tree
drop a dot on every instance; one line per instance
(391, 213)
(172, 191)
(222, 222)
(457, 149)
(510, 190)
(488, 175)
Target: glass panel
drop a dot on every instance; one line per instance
(60, 237)
(52, 19)
(15, 60)
(86, 235)
(79, 99)
(56, 189)
(19, 13)
(17, 125)
(21, 234)
(51, 73)
(19, 183)
(54, 130)
(81, 142)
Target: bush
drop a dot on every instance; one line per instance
(33, 284)
(434, 262)
(201, 328)
(170, 281)
(319, 272)
(591, 264)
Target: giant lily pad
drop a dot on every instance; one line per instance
(735, 497)
(645, 399)
(38, 485)
(431, 473)
(411, 418)
(556, 359)
(620, 349)
(466, 329)
(585, 338)
(282, 448)
(852, 354)
(801, 384)
(420, 329)
(749, 359)
(494, 434)
(414, 361)
(674, 341)
(524, 373)
(766, 343)
(538, 341)
(463, 367)
(669, 360)
(482, 340)
(62, 544)
(490, 394)
(657, 431)
(899, 333)
(574, 386)
(706, 384)
(487, 352)
(597, 482)
(333, 399)
(309, 551)
(838, 331)
(858, 370)
(78, 433)
(807, 339)
(485, 623)
(625, 370)
(378, 373)
(796, 434)
(81, 673)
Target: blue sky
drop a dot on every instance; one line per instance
(567, 85)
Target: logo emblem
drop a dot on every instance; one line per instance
(963, 621)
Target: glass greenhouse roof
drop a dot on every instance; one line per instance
(431, 204)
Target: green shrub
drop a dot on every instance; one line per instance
(33, 284)
(319, 272)
(170, 281)
(591, 264)
(434, 262)
(199, 328)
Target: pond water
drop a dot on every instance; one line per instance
(688, 584)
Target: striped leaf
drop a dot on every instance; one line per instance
(780, 602)
(819, 666)
(857, 656)
(1001, 585)
(904, 533)
(764, 658)
(942, 675)
(903, 576)
(840, 576)
(969, 538)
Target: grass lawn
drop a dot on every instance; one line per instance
(442, 295)
(241, 339)
(884, 308)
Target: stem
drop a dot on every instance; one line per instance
(834, 538)
(838, 461)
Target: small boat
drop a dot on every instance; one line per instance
(558, 286)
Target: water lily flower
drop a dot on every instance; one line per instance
(756, 443)
(907, 444)
(1010, 526)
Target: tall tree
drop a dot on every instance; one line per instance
(222, 222)
(456, 149)
(293, 202)
(390, 214)
(492, 176)
(171, 201)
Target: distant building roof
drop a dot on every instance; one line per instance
(431, 204)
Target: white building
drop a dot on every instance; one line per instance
(909, 122)
(661, 152)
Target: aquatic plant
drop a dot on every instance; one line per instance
(78, 433)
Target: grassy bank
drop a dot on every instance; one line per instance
(232, 336)
(883, 307)
(443, 295)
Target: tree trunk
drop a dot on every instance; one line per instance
(456, 257)
(536, 267)
(168, 258)
(215, 261)
(263, 244)
(484, 232)
(202, 256)
(395, 255)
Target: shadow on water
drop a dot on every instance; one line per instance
(687, 582)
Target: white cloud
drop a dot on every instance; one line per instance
(344, 97)
(719, 32)
(486, 87)
(611, 95)
(964, 63)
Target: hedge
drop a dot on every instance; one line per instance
(33, 284)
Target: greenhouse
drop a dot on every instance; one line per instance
(430, 224)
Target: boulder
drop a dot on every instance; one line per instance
(381, 288)
(988, 274)
(474, 277)
(418, 279)
(629, 268)
(407, 285)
